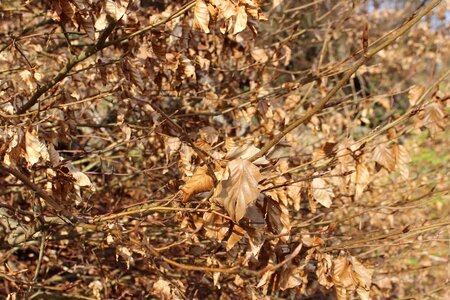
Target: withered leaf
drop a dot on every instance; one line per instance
(200, 182)
(414, 94)
(362, 179)
(384, 156)
(34, 149)
(226, 8)
(240, 189)
(277, 218)
(215, 225)
(401, 160)
(350, 275)
(322, 192)
(201, 16)
(241, 20)
(236, 235)
(294, 276)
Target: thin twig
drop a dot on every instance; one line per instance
(100, 45)
(370, 53)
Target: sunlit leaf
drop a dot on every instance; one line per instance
(322, 192)
(241, 20)
(201, 16)
(240, 189)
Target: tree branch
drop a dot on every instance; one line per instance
(101, 44)
(370, 53)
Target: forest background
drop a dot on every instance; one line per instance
(224, 149)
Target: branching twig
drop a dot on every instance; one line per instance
(370, 53)
(101, 44)
(37, 189)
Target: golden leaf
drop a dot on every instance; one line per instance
(241, 20)
(321, 192)
(34, 149)
(201, 16)
(200, 182)
(384, 156)
(414, 94)
(240, 189)
(362, 179)
(401, 160)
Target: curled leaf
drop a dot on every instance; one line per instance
(200, 182)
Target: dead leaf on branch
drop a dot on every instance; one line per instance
(401, 160)
(277, 218)
(236, 235)
(201, 16)
(434, 118)
(241, 20)
(362, 179)
(384, 156)
(322, 192)
(350, 275)
(200, 182)
(414, 94)
(216, 226)
(240, 189)
(35, 149)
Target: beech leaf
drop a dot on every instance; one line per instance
(241, 20)
(362, 179)
(240, 189)
(201, 16)
(321, 192)
(200, 182)
(384, 156)
(401, 160)
(35, 149)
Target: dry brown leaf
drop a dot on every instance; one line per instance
(209, 134)
(240, 189)
(362, 179)
(200, 182)
(259, 55)
(115, 9)
(350, 275)
(414, 94)
(434, 118)
(256, 240)
(226, 8)
(245, 152)
(312, 241)
(34, 149)
(322, 192)
(401, 160)
(384, 156)
(293, 277)
(241, 20)
(324, 269)
(15, 146)
(277, 219)
(215, 225)
(189, 68)
(201, 16)
(236, 235)
(172, 145)
(81, 179)
(163, 290)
